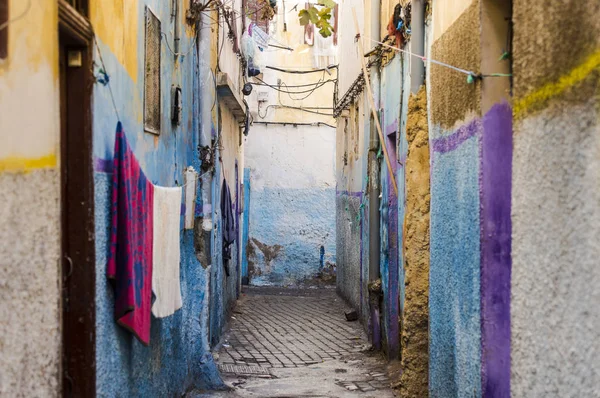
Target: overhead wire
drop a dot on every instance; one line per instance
(330, 67)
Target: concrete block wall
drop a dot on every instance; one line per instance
(292, 203)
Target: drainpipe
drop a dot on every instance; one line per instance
(204, 230)
(417, 44)
(374, 193)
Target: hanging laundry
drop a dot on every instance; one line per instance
(165, 251)
(130, 260)
(228, 228)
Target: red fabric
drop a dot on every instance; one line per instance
(130, 260)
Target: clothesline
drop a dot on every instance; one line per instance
(433, 61)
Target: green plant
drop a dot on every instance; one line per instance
(320, 17)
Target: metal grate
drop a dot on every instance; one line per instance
(243, 370)
(152, 74)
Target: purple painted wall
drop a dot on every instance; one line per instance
(496, 174)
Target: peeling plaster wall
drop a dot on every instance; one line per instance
(556, 200)
(292, 202)
(30, 316)
(178, 358)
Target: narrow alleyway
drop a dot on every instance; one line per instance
(297, 343)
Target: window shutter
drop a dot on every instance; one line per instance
(152, 74)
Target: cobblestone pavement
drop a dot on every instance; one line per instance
(297, 343)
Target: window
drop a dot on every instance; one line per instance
(79, 5)
(152, 74)
(3, 30)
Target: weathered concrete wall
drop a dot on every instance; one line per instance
(30, 350)
(392, 203)
(352, 208)
(416, 251)
(290, 153)
(178, 357)
(556, 200)
(292, 202)
(224, 288)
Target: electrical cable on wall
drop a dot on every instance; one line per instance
(18, 17)
(179, 53)
(107, 78)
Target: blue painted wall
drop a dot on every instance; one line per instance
(293, 224)
(245, 223)
(178, 358)
(454, 295)
(391, 98)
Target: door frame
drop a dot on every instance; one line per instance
(78, 257)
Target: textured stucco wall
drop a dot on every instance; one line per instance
(292, 202)
(454, 302)
(178, 357)
(30, 292)
(556, 200)
(454, 294)
(30, 350)
(416, 251)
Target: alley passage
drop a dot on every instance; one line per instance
(297, 343)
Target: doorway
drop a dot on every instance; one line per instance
(77, 202)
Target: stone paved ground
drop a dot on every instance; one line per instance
(297, 343)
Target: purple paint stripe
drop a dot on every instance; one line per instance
(393, 332)
(451, 142)
(103, 165)
(349, 193)
(496, 173)
(392, 128)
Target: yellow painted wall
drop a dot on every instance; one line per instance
(302, 58)
(445, 13)
(116, 24)
(29, 109)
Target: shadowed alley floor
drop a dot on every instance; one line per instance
(297, 343)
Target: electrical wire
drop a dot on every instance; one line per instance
(302, 71)
(18, 17)
(298, 85)
(179, 54)
(309, 91)
(292, 107)
(112, 97)
(318, 124)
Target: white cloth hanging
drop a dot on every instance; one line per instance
(166, 254)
